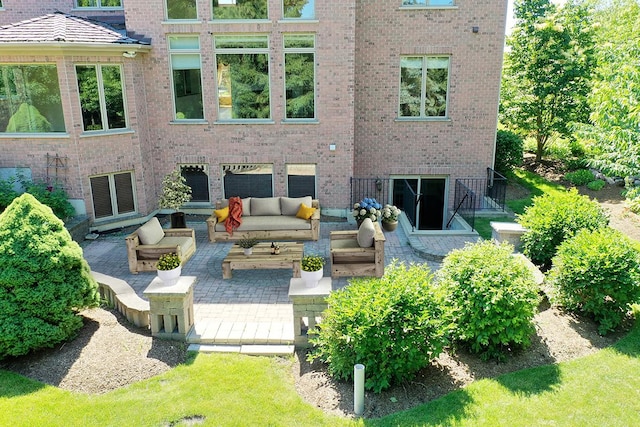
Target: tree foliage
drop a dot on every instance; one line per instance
(547, 70)
(614, 132)
(44, 280)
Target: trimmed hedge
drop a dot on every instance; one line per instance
(509, 148)
(492, 297)
(597, 273)
(394, 325)
(44, 280)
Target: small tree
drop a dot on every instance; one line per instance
(44, 280)
(175, 191)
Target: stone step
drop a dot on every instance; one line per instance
(224, 332)
(248, 349)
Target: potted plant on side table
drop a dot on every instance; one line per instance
(311, 270)
(169, 268)
(247, 244)
(175, 193)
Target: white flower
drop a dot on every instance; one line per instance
(356, 206)
(373, 218)
(372, 210)
(356, 212)
(363, 211)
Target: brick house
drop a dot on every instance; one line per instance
(250, 98)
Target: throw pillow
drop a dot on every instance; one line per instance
(290, 205)
(151, 232)
(222, 214)
(265, 206)
(366, 233)
(305, 211)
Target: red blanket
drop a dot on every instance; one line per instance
(235, 215)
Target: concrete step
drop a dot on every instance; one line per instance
(221, 332)
(248, 349)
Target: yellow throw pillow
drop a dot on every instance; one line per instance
(222, 214)
(305, 211)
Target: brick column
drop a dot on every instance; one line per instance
(171, 307)
(308, 304)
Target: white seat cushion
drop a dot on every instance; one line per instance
(265, 206)
(151, 232)
(290, 205)
(366, 233)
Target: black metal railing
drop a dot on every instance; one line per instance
(464, 204)
(375, 188)
(490, 191)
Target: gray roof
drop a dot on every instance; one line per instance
(60, 27)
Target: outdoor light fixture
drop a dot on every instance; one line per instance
(378, 184)
(129, 54)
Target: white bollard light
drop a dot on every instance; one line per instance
(358, 389)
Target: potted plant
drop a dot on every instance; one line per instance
(311, 269)
(247, 244)
(169, 267)
(389, 215)
(366, 208)
(175, 193)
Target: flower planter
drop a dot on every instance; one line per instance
(247, 251)
(389, 226)
(169, 277)
(311, 278)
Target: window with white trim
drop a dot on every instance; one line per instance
(428, 2)
(99, 4)
(186, 77)
(298, 9)
(113, 195)
(240, 9)
(301, 180)
(30, 99)
(181, 9)
(424, 86)
(102, 97)
(299, 76)
(247, 180)
(242, 75)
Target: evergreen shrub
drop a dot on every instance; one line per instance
(554, 217)
(596, 185)
(44, 280)
(509, 149)
(579, 177)
(597, 272)
(394, 325)
(492, 297)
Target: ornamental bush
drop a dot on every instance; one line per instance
(554, 217)
(492, 297)
(394, 325)
(596, 185)
(579, 177)
(56, 198)
(44, 280)
(509, 148)
(597, 273)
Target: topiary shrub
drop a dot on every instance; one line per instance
(597, 272)
(596, 185)
(579, 177)
(554, 217)
(492, 297)
(394, 325)
(509, 148)
(44, 280)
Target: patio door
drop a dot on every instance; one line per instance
(430, 193)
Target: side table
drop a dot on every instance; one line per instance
(171, 307)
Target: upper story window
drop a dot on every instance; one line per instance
(298, 9)
(428, 2)
(182, 9)
(424, 86)
(99, 4)
(30, 99)
(240, 9)
(101, 97)
(242, 64)
(299, 76)
(186, 77)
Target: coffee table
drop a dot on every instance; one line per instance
(289, 257)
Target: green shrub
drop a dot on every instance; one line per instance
(44, 280)
(55, 198)
(597, 273)
(7, 192)
(596, 185)
(579, 177)
(554, 217)
(509, 148)
(632, 199)
(393, 325)
(492, 296)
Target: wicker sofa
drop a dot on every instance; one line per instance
(268, 218)
(147, 243)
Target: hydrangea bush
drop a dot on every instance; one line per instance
(367, 208)
(390, 213)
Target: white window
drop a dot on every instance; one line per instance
(242, 65)
(247, 180)
(102, 97)
(186, 77)
(424, 86)
(113, 195)
(182, 9)
(99, 4)
(240, 9)
(298, 9)
(299, 76)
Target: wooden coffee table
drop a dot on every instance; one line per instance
(289, 257)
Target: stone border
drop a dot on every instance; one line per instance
(121, 295)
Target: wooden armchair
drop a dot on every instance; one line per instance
(349, 259)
